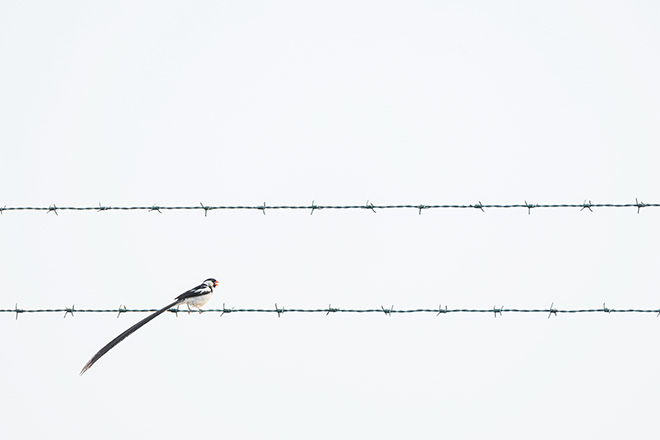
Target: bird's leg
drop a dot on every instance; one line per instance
(199, 308)
(188, 308)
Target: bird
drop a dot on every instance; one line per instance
(196, 297)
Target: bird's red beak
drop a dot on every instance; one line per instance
(216, 284)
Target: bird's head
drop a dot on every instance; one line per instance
(211, 282)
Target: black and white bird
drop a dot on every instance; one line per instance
(196, 297)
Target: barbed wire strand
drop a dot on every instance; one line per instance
(314, 207)
(328, 310)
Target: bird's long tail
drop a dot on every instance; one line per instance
(124, 335)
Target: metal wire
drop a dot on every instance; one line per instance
(328, 310)
(313, 207)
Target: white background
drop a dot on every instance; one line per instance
(229, 103)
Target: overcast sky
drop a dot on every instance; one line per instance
(241, 103)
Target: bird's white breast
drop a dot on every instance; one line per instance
(198, 301)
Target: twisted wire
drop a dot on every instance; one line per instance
(328, 310)
(314, 207)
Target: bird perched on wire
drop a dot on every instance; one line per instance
(196, 297)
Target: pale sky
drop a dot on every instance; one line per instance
(241, 103)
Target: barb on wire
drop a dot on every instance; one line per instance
(155, 208)
(314, 207)
(52, 208)
(640, 205)
(586, 205)
(121, 309)
(529, 207)
(17, 310)
(370, 205)
(2, 209)
(102, 208)
(552, 311)
(263, 208)
(205, 208)
(331, 310)
(441, 310)
(496, 311)
(422, 207)
(389, 311)
(278, 310)
(225, 310)
(479, 206)
(70, 310)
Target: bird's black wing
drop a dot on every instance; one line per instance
(200, 290)
(126, 334)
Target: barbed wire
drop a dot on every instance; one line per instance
(440, 310)
(314, 207)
